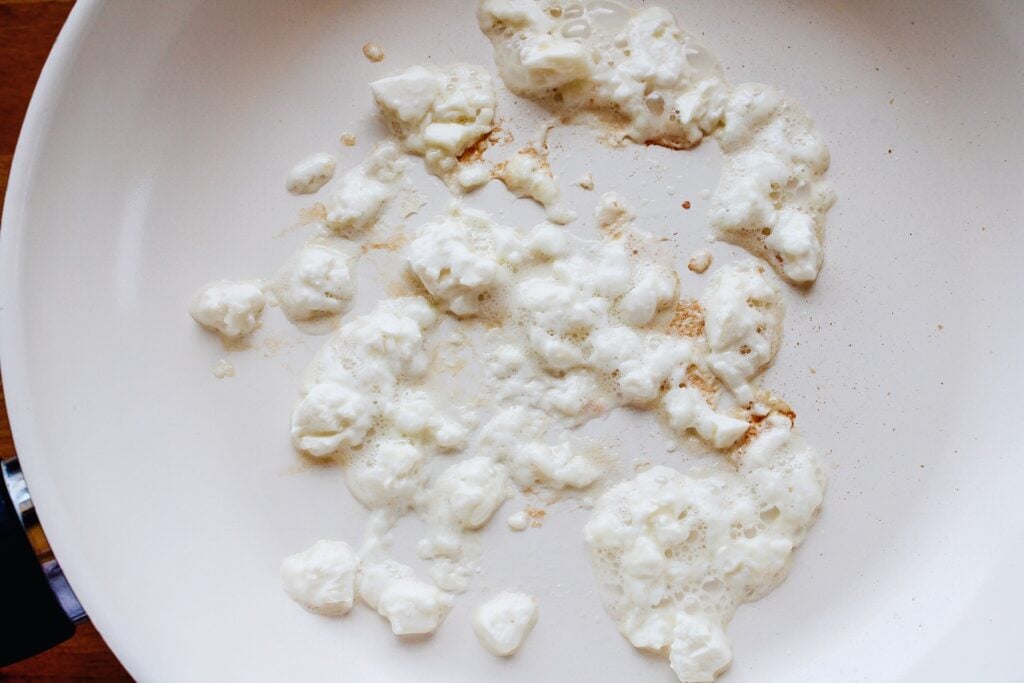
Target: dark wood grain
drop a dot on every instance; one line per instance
(27, 31)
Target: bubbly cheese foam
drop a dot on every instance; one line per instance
(563, 330)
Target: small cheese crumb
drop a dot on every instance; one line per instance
(527, 174)
(322, 577)
(518, 521)
(348, 139)
(316, 282)
(310, 174)
(440, 114)
(412, 606)
(503, 622)
(586, 182)
(231, 308)
(373, 52)
(222, 369)
(700, 261)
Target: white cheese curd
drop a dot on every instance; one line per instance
(700, 261)
(331, 416)
(527, 174)
(743, 312)
(607, 56)
(376, 574)
(454, 257)
(513, 377)
(415, 414)
(468, 493)
(687, 409)
(518, 521)
(322, 577)
(357, 373)
(515, 437)
(310, 174)
(675, 554)
(503, 622)
(356, 200)
(317, 281)
(655, 288)
(772, 197)
(231, 308)
(372, 351)
(613, 214)
(561, 309)
(413, 607)
(388, 475)
(439, 113)
(639, 64)
(643, 364)
(557, 466)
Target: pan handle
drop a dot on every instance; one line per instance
(41, 606)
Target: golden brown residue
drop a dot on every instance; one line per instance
(686, 204)
(673, 142)
(688, 320)
(237, 343)
(536, 516)
(275, 345)
(399, 288)
(706, 383)
(348, 139)
(313, 214)
(542, 162)
(393, 243)
(475, 151)
(500, 136)
(310, 215)
(700, 262)
(305, 462)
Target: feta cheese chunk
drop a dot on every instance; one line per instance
(413, 607)
(743, 312)
(317, 281)
(454, 257)
(322, 577)
(330, 417)
(376, 575)
(470, 492)
(356, 200)
(654, 289)
(687, 409)
(387, 477)
(527, 174)
(772, 197)
(229, 307)
(503, 622)
(439, 113)
(310, 174)
(606, 56)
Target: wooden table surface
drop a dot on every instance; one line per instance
(27, 31)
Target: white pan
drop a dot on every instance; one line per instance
(153, 160)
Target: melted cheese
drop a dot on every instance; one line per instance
(642, 67)
(230, 308)
(675, 554)
(439, 114)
